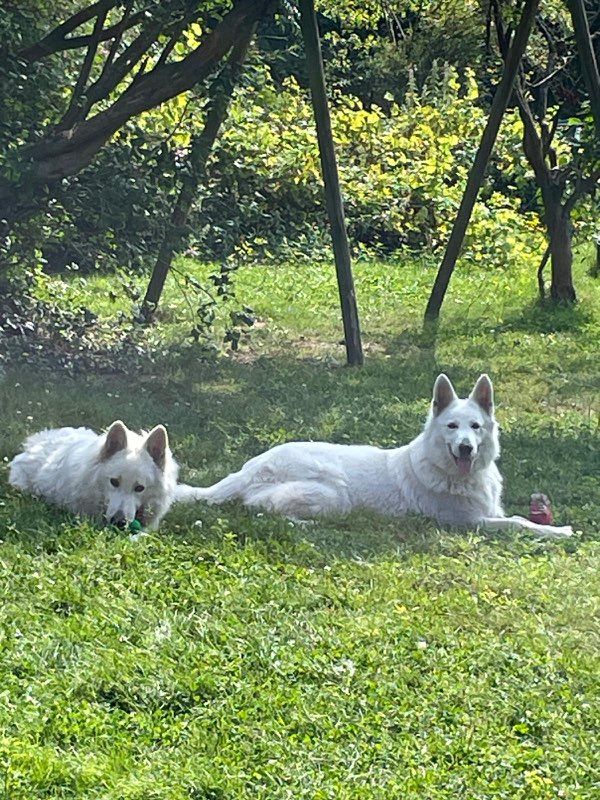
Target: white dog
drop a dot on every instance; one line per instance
(120, 475)
(447, 472)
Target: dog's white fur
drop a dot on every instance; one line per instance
(447, 472)
(120, 474)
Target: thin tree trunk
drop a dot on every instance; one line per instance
(557, 216)
(540, 273)
(478, 169)
(200, 151)
(587, 57)
(333, 196)
(560, 230)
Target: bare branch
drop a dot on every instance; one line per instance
(545, 31)
(55, 40)
(544, 81)
(587, 57)
(503, 35)
(123, 65)
(542, 87)
(73, 112)
(168, 48)
(116, 30)
(582, 187)
(119, 29)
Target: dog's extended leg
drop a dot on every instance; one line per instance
(520, 523)
(300, 501)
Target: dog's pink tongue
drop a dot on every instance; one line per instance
(464, 465)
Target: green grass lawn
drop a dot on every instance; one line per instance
(235, 655)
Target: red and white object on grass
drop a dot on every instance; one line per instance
(540, 509)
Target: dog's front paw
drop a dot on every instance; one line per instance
(554, 532)
(566, 530)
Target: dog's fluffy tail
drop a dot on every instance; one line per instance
(229, 488)
(188, 494)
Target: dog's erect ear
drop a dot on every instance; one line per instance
(156, 444)
(116, 439)
(443, 394)
(483, 394)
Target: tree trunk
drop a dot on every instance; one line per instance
(333, 195)
(200, 151)
(585, 48)
(560, 231)
(560, 234)
(477, 173)
(173, 233)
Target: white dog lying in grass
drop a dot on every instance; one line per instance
(447, 472)
(121, 475)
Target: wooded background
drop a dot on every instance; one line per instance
(110, 115)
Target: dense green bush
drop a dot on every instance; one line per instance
(406, 128)
(402, 172)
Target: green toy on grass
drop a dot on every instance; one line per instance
(135, 526)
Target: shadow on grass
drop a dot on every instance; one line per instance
(546, 318)
(220, 414)
(562, 463)
(534, 318)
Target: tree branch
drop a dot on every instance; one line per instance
(56, 39)
(542, 87)
(582, 187)
(532, 142)
(587, 57)
(59, 155)
(168, 48)
(73, 112)
(548, 134)
(119, 69)
(119, 30)
(133, 54)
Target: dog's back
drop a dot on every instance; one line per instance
(44, 451)
(54, 465)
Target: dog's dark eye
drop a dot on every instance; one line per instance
(453, 425)
(476, 426)
(114, 482)
(139, 488)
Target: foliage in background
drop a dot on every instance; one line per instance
(402, 172)
(410, 85)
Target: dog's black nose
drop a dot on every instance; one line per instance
(118, 519)
(465, 450)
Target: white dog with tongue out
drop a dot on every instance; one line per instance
(447, 472)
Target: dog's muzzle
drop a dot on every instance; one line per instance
(118, 520)
(464, 459)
